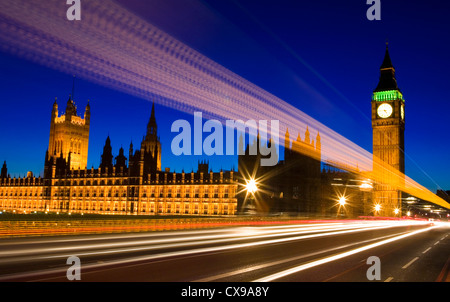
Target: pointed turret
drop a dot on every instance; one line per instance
(387, 74)
(387, 63)
(107, 157)
(121, 160)
(55, 106)
(152, 126)
(307, 137)
(131, 149)
(287, 140)
(318, 142)
(241, 150)
(71, 109)
(4, 172)
(151, 146)
(87, 113)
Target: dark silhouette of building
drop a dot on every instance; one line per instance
(107, 156)
(444, 194)
(4, 171)
(293, 185)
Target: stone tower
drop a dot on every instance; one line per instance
(151, 145)
(69, 135)
(388, 123)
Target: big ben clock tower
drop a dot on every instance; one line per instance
(388, 123)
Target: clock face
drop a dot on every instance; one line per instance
(402, 112)
(384, 110)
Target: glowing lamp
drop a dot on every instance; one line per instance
(251, 186)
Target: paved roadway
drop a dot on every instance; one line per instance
(334, 252)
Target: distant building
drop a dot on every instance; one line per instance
(444, 195)
(293, 185)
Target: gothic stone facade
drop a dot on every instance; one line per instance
(138, 187)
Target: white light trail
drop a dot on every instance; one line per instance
(282, 261)
(232, 234)
(338, 256)
(220, 242)
(217, 243)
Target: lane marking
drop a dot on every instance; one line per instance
(268, 264)
(409, 263)
(436, 242)
(426, 250)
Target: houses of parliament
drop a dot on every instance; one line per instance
(121, 185)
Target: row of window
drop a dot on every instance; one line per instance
(62, 194)
(156, 192)
(119, 182)
(125, 181)
(187, 208)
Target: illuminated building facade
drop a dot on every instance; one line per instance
(69, 135)
(115, 187)
(388, 123)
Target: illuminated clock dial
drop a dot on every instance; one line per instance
(384, 110)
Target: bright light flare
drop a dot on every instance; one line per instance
(342, 201)
(251, 186)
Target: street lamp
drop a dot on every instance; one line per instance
(250, 202)
(377, 208)
(342, 200)
(251, 186)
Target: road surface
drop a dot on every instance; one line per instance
(408, 251)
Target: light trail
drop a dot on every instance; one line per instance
(203, 244)
(232, 234)
(282, 261)
(221, 241)
(339, 256)
(115, 48)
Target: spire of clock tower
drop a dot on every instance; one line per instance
(387, 74)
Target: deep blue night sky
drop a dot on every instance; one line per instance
(321, 56)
